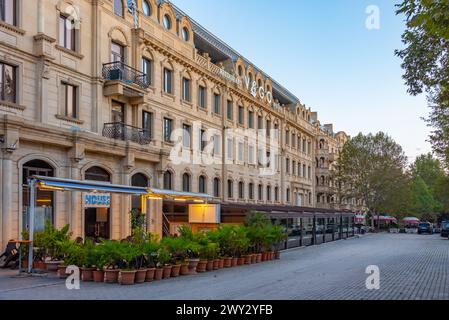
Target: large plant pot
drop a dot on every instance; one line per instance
(167, 272)
(264, 256)
(87, 274)
(201, 267)
(61, 272)
(247, 259)
(98, 276)
(193, 263)
(127, 277)
(258, 258)
(253, 258)
(221, 264)
(150, 275)
(227, 262)
(184, 271)
(272, 255)
(240, 261)
(141, 275)
(38, 265)
(175, 270)
(159, 274)
(216, 264)
(210, 265)
(234, 262)
(111, 276)
(277, 255)
(52, 266)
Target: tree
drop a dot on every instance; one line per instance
(422, 205)
(428, 168)
(372, 168)
(426, 63)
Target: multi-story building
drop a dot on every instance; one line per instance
(94, 90)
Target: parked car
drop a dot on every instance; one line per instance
(425, 227)
(445, 229)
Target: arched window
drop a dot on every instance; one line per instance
(251, 191)
(44, 199)
(260, 192)
(140, 180)
(217, 192)
(168, 180)
(146, 8)
(276, 194)
(186, 182)
(118, 8)
(241, 190)
(268, 193)
(230, 189)
(240, 71)
(97, 174)
(202, 184)
(167, 22)
(185, 34)
(288, 195)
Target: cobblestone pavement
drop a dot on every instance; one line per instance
(411, 267)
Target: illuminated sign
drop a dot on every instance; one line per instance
(205, 213)
(97, 200)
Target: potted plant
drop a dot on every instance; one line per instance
(164, 259)
(193, 248)
(150, 249)
(178, 248)
(241, 244)
(129, 253)
(51, 240)
(110, 253)
(87, 267)
(73, 256)
(277, 236)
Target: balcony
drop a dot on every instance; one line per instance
(124, 81)
(121, 131)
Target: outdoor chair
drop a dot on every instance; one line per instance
(11, 254)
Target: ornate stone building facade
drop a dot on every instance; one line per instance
(93, 90)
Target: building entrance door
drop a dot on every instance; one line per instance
(97, 223)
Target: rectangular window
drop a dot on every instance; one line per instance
(230, 146)
(260, 192)
(147, 69)
(230, 189)
(294, 168)
(186, 89)
(202, 97)
(203, 141)
(69, 99)
(251, 191)
(309, 173)
(8, 83)
(216, 103)
(268, 128)
(251, 155)
(293, 140)
(259, 122)
(217, 145)
(186, 133)
(8, 10)
(230, 110)
(117, 52)
(287, 166)
(304, 147)
(251, 119)
(241, 115)
(67, 33)
(168, 80)
(240, 151)
(147, 124)
(168, 128)
(287, 138)
(309, 147)
(304, 173)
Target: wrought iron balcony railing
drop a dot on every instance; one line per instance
(122, 72)
(121, 131)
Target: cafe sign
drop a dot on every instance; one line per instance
(97, 200)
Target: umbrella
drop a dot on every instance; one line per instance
(411, 220)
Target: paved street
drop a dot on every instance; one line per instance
(411, 266)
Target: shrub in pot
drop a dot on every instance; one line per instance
(164, 259)
(74, 255)
(150, 250)
(193, 248)
(51, 240)
(178, 249)
(129, 254)
(87, 267)
(111, 255)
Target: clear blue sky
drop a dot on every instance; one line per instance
(323, 53)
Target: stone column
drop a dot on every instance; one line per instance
(6, 199)
(76, 213)
(154, 216)
(125, 208)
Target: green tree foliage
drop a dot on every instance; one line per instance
(372, 168)
(426, 62)
(422, 203)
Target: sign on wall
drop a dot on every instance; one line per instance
(205, 213)
(97, 200)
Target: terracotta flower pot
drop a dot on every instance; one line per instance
(210, 265)
(39, 265)
(258, 258)
(87, 274)
(247, 259)
(221, 264)
(141, 275)
(175, 270)
(201, 267)
(240, 261)
(216, 264)
(25, 264)
(98, 276)
(184, 271)
(150, 274)
(167, 272)
(127, 277)
(52, 266)
(277, 255)
(264, 256)
(227, 262)
(272, 255)
(61, 272)
(253, 258)
(193, 263)
(158, 274)
(111, 275)
(234, 262)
